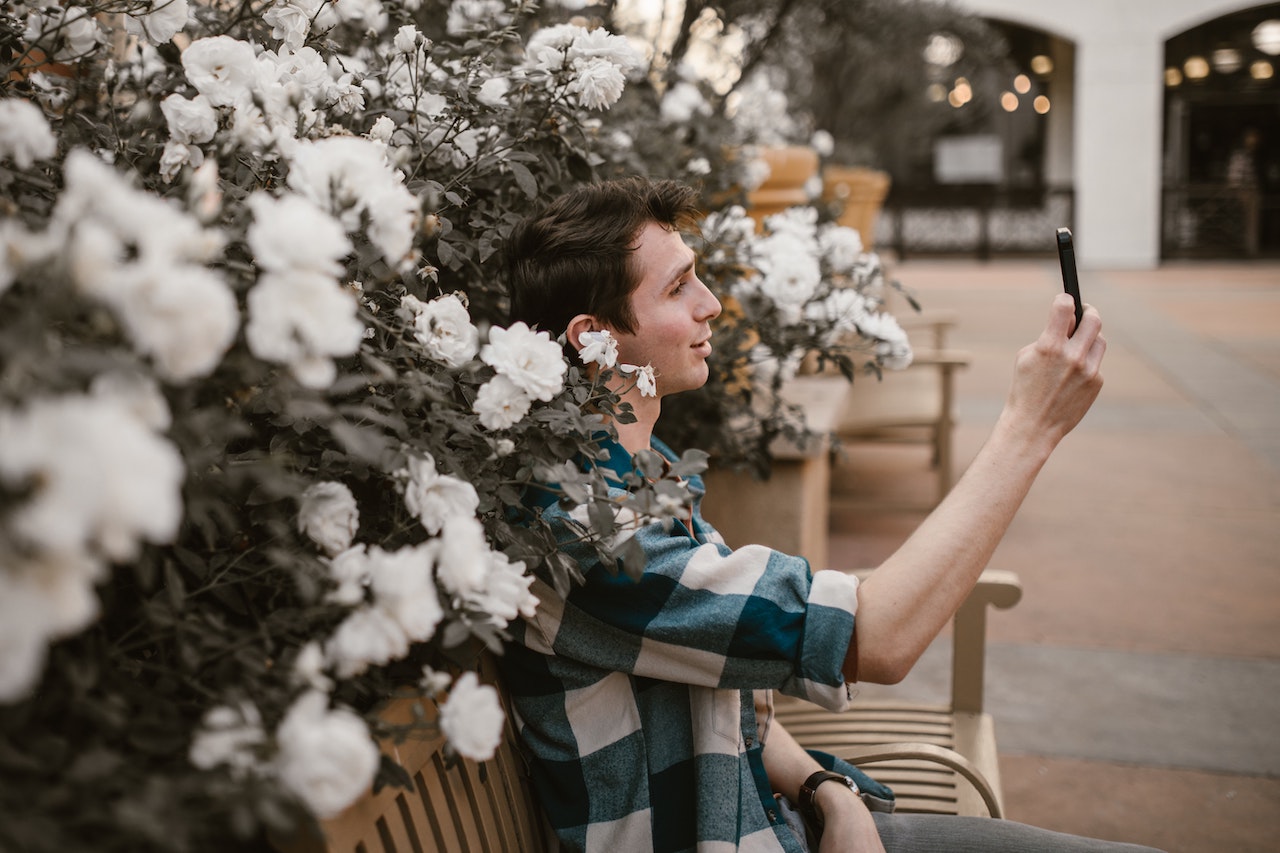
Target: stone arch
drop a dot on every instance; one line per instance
(1209, 11)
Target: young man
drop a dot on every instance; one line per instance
(646, 704)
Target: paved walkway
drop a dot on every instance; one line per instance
(1136, 687)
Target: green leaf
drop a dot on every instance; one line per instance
(174, 586)
(524, 178)
(364, 443)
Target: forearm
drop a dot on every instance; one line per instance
(905, 603)
(847, 822)
(786, 762)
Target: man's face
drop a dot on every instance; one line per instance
(673, 312)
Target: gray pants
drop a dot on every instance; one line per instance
(920, 833)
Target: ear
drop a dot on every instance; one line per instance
(578, 325)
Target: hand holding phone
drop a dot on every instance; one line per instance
(1070, 281)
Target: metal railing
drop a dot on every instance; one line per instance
(983, 220)
(1213, 220)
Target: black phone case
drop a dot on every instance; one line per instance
(1070, 281)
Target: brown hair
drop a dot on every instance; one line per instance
(574, 257)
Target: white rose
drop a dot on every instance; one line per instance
(841, 247)
(467, 15)
(25, 135)
(290, 20)
(698, 166)
(43, 598)
(308, 668)
(444, 327)
(506, 590)
(350, 178)
(221, 68)
(404, 587)
(65, 34)
(823, 142)
(327, 756)
(103, 480)
(382, 129)
(601, 44)
(493, 92)
(406, 39)
(229, 735)
(530, 359)
(500, 403)
(600, 348)
(165, 20)
(137, 393)
(350, 571)
(433, 497)
(463, 562)
(192, 120)
(328, 515)
(176, 155)
(471, 718)
(368, 15)
(598, 83)
(184, 316)
(646, 382)
(300, 71)
(303, 319)
(367, 636)
(290, 234)
(791, 273)
(844, 309)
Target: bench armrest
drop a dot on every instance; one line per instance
(881, 752)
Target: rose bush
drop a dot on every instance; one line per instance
(264, 427)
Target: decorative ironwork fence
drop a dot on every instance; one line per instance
(979, 219)
(1213, 220)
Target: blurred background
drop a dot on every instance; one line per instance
(1136, 687)
(1123, 120)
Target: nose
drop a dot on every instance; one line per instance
(709, 305)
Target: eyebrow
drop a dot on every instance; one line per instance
(677, 274)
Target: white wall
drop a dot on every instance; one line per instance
(1117, 111)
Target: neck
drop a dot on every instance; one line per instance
(636, 436)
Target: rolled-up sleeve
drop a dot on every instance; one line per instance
(704, 614)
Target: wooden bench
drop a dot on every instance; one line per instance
(454, 806)
(938, 758)
(911, 406)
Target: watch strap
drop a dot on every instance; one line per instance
(809, 788)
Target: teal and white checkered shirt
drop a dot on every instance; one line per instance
(644, 703)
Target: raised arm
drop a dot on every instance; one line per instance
(905, 603)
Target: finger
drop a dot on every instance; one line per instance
(1062, 316)
(1093, 361)
(1090, 326)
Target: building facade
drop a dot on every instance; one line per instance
(1106, 133)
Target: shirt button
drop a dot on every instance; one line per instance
(750, 741)
(773, 816)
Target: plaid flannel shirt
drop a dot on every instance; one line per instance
(645, 704)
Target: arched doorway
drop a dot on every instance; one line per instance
(996, 177)
(1221, 164)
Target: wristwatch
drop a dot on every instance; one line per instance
(810, 787)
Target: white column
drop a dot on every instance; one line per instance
(1117, 136)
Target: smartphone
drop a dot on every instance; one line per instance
(1070, 281)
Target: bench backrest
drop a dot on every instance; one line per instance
(454, 806)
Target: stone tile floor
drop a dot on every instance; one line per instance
(1136, 687)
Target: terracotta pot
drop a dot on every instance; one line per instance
(791, 166)
(860, 192)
